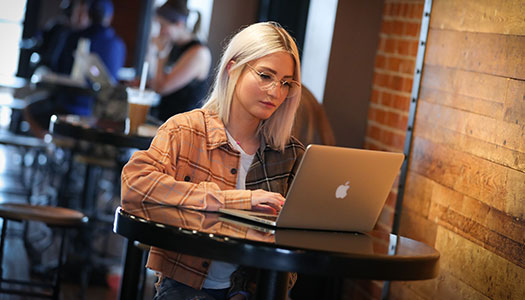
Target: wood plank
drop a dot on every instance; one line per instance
(417, 227)
(479, 212)
(487, 129)
(491, 16)
(495, 185)
(399, 290)
(478, 106)
(515, 102)
(500, 55)
(464, 83)
(461, 142)
(445, 286)
(418, 194)
(487, 272)
(466, 224)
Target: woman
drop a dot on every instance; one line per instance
(182, 62)
(236, 152)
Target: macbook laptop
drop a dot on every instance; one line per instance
(335, 188)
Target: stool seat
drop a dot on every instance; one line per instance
(51, 215)
(63, 218)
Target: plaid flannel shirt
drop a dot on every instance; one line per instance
(190, 163)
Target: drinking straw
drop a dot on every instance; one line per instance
(143, 77)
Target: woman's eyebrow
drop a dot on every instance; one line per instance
(268, 69)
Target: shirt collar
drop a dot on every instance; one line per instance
(216, 133)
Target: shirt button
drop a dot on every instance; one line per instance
(233, 171)
(187, 178)
(205, 264)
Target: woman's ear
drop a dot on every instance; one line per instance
(229, 66)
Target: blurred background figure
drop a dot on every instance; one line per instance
(311, 123)
(181, 63)
(51, 41)
(103, 39)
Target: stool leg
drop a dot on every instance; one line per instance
(2, 243)
(57, 279)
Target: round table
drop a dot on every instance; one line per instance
(96, 130)
(275, 252)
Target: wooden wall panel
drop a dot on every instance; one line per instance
(479, 268)
(461, 142)
(500, 55)
(487, 16)
(493, 184)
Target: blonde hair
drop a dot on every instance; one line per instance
(251, 43)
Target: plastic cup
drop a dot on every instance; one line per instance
(139, 103)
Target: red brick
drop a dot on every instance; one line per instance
(396, 7)
(407, 84)
(386, 9)
(403, 8)
(398, 27)
(398, 141)
(419, 10)
(393, 64)
(380, 116)
(411, 29)
(380, 61)
(375, 96)
(403, 122)
(386, 99)
(396, 82)
(390, 45)
(401, 102)
(386, 27)
(403, 47)
(407, 66)
(414, 46)
(392, 119)
(375, 132)
(380, 79)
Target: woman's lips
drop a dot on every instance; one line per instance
(268, 103)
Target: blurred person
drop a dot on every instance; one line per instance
(182, 62)
(105, 43)
(236, 152)
(51, 41)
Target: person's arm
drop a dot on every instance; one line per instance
(149, 176)
(193, 63)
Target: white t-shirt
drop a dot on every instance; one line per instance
(220, 272)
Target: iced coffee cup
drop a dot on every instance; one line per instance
(139, 102)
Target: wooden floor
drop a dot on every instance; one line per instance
(16, 262)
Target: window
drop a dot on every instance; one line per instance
(11, 25)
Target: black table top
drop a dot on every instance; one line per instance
(375, 255)
(97, 130)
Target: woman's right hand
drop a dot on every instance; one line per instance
(267, 201)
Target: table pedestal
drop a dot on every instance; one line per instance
(272, 285)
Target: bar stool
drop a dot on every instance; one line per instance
(62, 218)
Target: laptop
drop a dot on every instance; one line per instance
(335, 188)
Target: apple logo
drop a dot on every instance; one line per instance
(342, 190)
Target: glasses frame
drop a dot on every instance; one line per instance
(276, 81)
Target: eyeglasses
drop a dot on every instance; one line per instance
(268, 81)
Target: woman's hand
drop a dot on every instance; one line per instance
(267, 201)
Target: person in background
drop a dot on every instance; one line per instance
(182, 62)
(236, 152)
(103, 40)
(50, 42)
